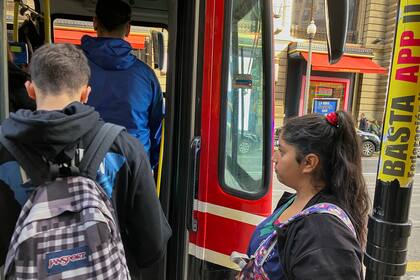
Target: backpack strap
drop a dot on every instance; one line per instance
(98, 148)
(323, 208)
(268, 244)
(27, 161)
(89, 165)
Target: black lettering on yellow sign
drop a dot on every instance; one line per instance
(416, 144)
(402, 108)
(393, 117)
(413, 166)
(397, 151)
(402, 103)
(403, 132)
(411, 9)
(396, 168)
(401, 139)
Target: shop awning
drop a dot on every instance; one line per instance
(346, 64)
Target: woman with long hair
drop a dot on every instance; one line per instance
(318, 232)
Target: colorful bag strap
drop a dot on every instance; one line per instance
(269, 243)
(323, 208)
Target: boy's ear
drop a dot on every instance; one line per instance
(30, 89)
(84, 96)
(310, 162)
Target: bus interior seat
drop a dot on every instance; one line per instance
(20, 53)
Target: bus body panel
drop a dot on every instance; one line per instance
(225, 221)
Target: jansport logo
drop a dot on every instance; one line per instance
(65, 260)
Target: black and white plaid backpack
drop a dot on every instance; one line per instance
(67, 229)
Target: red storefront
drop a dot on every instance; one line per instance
(329, 84)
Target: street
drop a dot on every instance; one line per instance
(370, 166)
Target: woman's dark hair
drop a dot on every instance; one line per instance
(338, 148)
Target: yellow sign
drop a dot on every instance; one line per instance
(401, 134)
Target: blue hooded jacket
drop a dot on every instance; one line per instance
(125, 91)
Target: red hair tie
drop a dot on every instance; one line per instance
(332, 118)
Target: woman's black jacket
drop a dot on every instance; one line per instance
(319, 246)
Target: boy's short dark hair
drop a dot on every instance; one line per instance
(56, 68)
(112, 14)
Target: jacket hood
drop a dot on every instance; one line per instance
(108, 53)
(50, 133)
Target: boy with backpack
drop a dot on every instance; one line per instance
(77, 195)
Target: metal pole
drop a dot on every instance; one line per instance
(308, 78)
(4, 92)
(389, 226)
(16, 22)
(47, 21)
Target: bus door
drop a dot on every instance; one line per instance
(231, 178)
(232, 189)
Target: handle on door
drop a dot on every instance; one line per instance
(194, 162)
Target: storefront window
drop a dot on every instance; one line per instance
(327, 95)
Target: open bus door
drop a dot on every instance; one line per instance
(209, 220)
(229, 164)
(229, 188)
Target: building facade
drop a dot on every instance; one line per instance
(357, 83)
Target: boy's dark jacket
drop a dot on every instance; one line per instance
(319, 246)
(52, 134)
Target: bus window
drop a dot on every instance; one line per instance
(140, 38)
(24, 13)
(242, 130)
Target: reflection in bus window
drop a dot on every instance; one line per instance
(10, 4)
(242, 146)
(24, 14)
(140, 38)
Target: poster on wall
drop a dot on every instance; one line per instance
(325, 105)
(321, 91)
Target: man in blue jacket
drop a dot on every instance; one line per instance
(125, 90)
